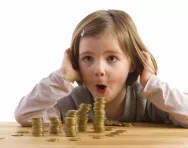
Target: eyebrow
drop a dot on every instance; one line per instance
(108, 51)
(86, 52)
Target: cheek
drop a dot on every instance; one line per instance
(81, 67)
(120, 76)
(84, 71)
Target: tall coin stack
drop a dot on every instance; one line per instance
(99, 112)
(70, 127)
(37, 127)
(83, 112)
(55, 125)
(73, 113)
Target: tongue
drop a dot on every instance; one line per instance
(101, 89)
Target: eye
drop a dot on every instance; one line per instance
(88, 59)
(111, 59)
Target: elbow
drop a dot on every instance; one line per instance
(179, 120)
(22, 119)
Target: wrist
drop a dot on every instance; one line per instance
(144, 80)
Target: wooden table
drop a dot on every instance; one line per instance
(141, 135)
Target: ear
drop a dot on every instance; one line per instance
(132, 67)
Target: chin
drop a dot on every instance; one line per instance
(108, 100)
(97, 95)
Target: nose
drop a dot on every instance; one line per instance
(99, 71)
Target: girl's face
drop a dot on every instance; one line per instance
(103, 66)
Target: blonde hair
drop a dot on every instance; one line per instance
(121, 26)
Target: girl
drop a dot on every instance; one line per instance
(107, 58)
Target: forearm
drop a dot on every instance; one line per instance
(167, 99)
(41, 100)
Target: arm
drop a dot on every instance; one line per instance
(167, 99)
(40, 102)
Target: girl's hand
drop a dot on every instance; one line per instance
(68, 72)
(148, 70)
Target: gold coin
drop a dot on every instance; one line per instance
(115, 133)
(97, 136)
(52, 140)
(17, 134)
(120, 131)
(2, 138)
(74, 139)
(110, 135)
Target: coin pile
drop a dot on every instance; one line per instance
(112, 123)
(55, 125)
(97, 136)
(74, 139)
(37, 127)
(99, 113)
(70, 127)
(17, 134)
(83, 113)
(117, 123)
(52, 140)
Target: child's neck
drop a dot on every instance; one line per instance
(115, 108)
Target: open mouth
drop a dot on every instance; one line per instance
(101, 88)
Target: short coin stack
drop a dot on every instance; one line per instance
(83, 112)
(99, 112)
(37, 127)
(70, 127)
(73, 113)
(55, 125)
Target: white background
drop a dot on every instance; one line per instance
(34, 34)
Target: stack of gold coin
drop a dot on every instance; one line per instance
(55, 125)
(99, 113)
(70, 127)
(83, 112)
(73, 113)
(37, 127)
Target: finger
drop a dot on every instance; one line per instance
(146, 55)
(67, 51)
